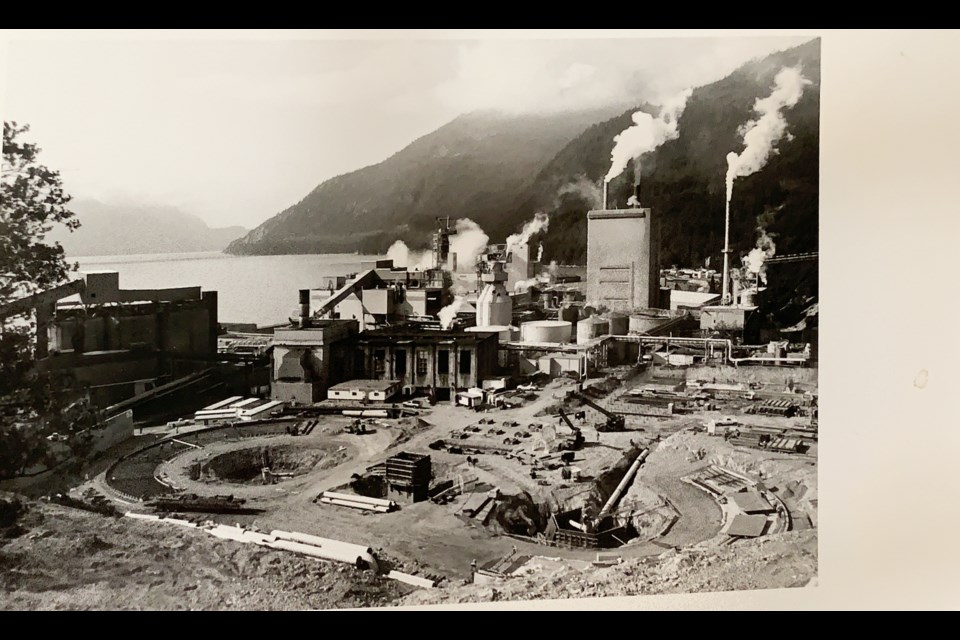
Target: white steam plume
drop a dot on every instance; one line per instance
(404, 258)
(468, 243)
(583, 187)
(646, 133)
(761, 134)
(539, 223)
(449, 312)
(766, 248)
(554, 267)
(540, 252)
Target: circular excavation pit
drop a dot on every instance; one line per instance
(266, 464)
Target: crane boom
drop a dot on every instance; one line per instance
(615, 422)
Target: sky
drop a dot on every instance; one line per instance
(235, 127)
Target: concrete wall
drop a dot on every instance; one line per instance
(115, 430)
(181, 328)
(622, 259)
(770, 375)
(294, 392)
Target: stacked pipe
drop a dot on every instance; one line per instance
(357, 502)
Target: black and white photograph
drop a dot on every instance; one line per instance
(373, 319)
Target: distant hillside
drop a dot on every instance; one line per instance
(683, 180)
(476, 166)
(109, 229)
(500, 170)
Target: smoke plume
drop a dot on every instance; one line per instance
(449, 312)
(468, 243)
(404, 258)
(539, 223)
(766, 248)
(540, 252)
(761, 134)
(646, 133)
(584, 188)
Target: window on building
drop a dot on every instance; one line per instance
(379, 361)
(400, 362)
(421, 363)
(465, 362)
(443, 361)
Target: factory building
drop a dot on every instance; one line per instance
(380, 294)
(365, 390)
(426, 361)
(308, 360)
(622, 259)
(120, 343)
(518, 263)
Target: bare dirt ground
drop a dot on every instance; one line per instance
(109, 563)
(785, 560)
(72, 559)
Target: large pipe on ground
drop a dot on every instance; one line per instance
(350, 497)
(354, 505)
(329, 549)
(624, 483)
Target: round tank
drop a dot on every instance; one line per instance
(748, 298)
(555, 331)
(619, 324)
(569, 313)
(590, 328)
(504, 333)
(643, 323)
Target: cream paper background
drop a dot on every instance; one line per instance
(889, 485)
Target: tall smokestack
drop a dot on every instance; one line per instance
(605, 196)
(726, 257)
(304, 307)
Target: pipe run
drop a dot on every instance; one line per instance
(624, 483)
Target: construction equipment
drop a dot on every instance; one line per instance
(356, 428)
(614, 421)
(570, 443)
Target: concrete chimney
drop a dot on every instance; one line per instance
(304, 307)
(604, 196)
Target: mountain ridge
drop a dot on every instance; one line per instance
(123, 229)
(500, 170)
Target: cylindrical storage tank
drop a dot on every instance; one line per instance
(503, 332)
(569, 313)
(551, 331)
(619, 324)
(643, 323)
(590, 328)
(748, 297)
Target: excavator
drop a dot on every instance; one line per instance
(614, 421)
(571, 443)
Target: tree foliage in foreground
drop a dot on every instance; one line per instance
(32, 404)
